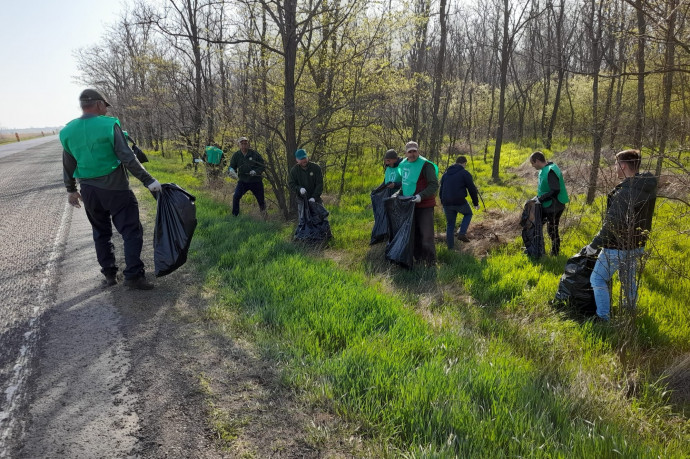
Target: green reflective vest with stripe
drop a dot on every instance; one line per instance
(91, 142)
(544, 188)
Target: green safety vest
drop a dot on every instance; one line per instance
(408, 173)
(91, 142)
(213, 154)
(543, 187)
(390, 174)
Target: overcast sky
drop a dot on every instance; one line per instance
(37, 67)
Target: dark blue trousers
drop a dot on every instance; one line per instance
(122, 208)
(257, 188)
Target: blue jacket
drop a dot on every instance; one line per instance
(455, 184)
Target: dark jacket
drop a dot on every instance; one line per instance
(244, 164)
(309, 178)
(455, 184)
(629, 212)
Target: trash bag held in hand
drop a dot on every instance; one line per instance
(379, 232)
(400, 215)
(532, 230)
(574, 288)
(313, 223)
(175, 224)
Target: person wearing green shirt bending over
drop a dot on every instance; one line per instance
(418, 177)
(391, 162)
(552, 196)
(305, 180)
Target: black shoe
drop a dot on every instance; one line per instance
(463, 238)
(138, 283)
(110, 280)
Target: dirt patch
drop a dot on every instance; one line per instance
(496, 229)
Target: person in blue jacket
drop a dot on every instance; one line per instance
(456, 183)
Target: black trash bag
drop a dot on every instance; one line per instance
(400, 215)
(379, 232)
(175, 224)
(141, 156)
(313, 224)
(532, 230)
(575, 290)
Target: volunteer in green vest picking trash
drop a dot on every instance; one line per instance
(248, 165)
(418, 178)
(552, 196)
(391, 162)
(96, 154)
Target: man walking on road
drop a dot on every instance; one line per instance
(96, 153)
(552, 196)
(249, 165)
(455, 184)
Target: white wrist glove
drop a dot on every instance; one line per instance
(302, 191)
(232, 173)
(155, 186)
(476, 207)
(252, 172)
(589, 250)
(312, 200)
(417, 198)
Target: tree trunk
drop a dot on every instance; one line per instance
(669, 60)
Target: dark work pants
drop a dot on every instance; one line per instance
(424, 247)
(122, 207)
(552, 219)
(257, 188)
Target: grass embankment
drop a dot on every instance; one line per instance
(10, 138)
(467, 359)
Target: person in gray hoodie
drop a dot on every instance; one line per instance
(624, 232)
(455, 184)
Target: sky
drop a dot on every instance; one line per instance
(37, 65)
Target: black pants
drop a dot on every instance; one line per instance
(257, 189)
(552, 219)
(424, 247)
(122, 208)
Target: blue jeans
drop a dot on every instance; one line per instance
(608, 262)
(451, 214)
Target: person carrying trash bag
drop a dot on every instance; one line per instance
(418, 178)
(552, 196)
(624, 232)
(380, 230)
(248, 166)
(175, 225)
(306, 181)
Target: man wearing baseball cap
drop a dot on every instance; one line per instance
(96, 154)
(249, 165)
(418, 177)
(305, 179)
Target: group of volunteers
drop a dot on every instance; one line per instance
(96, 153)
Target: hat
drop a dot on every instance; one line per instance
(91, 95)
(300, 154)
(242, 139)
(411, 146)
(391, 154)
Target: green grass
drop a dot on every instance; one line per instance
(465, 360)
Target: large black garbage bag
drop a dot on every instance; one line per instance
(575, 290)
(532, 230)
(400, 215)
(313, 223)
(380, 230)
(175, 224)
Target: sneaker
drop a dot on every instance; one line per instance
(138, 283)
(463, 238)
(110, 280)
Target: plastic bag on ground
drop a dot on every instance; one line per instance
(574, 289)
(379, 232)
(400, 215)
(175, 224)
(532, 230)
(313, 223)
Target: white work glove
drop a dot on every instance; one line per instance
(417, 198)
(302, 191)
(476, 207)
(232, 173)
(155, 186)
(312, 200)
(73, 198)
(252, 173)
(589, 250)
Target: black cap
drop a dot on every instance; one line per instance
(90, 95)
(391, 154)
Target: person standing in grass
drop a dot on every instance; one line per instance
(552, 196)
(391, 162)
(418, 177)
(215, 159)
(624, 232)
(305, 180)
(249, 165)
(96, 153)
(456, 183)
